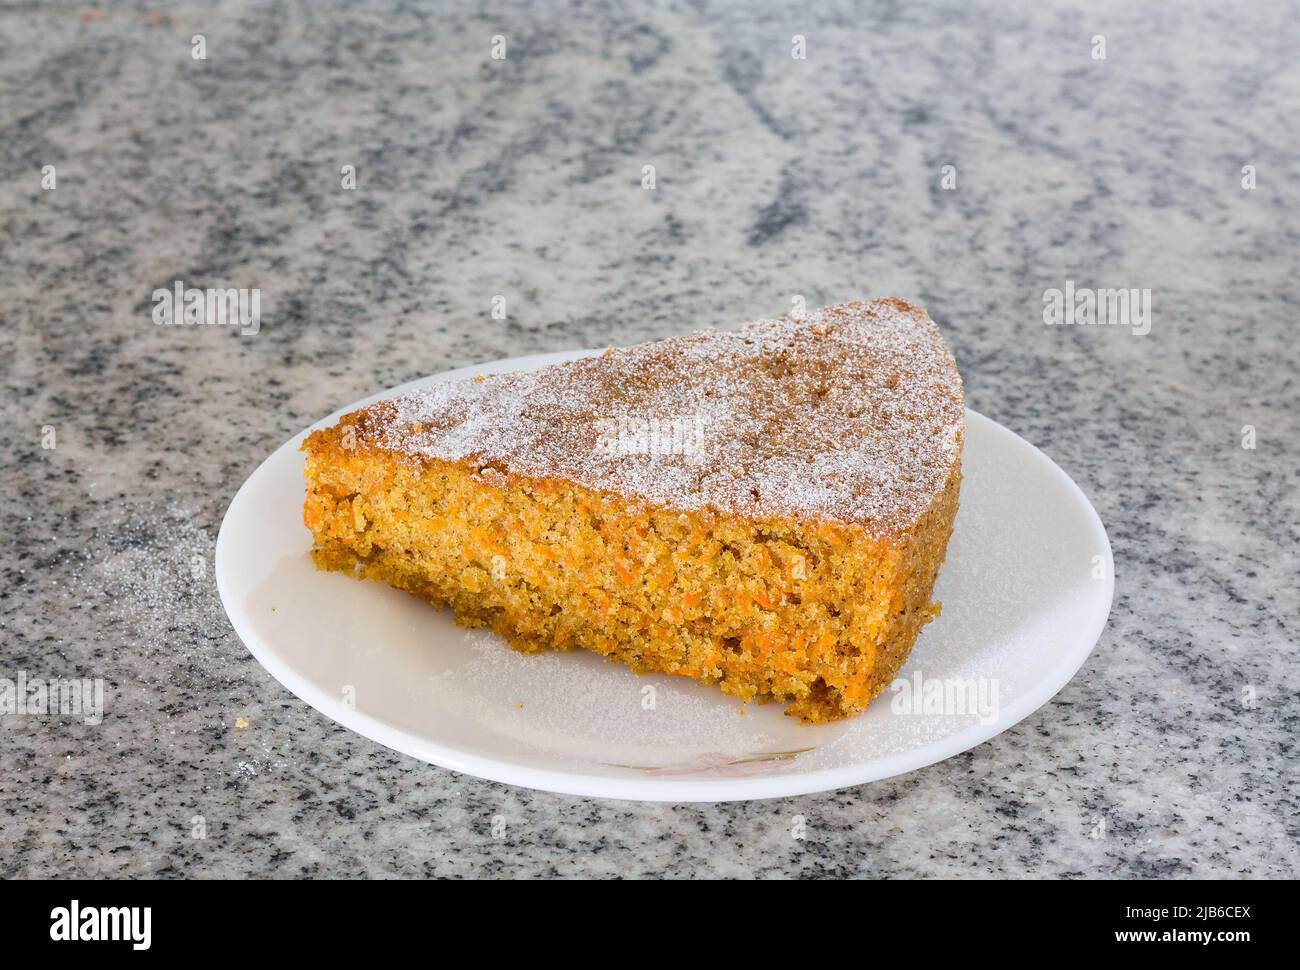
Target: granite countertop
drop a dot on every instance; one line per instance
(1172, 753)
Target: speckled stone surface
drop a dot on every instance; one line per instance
(1172, 753)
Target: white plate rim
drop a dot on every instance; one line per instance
(655, 788)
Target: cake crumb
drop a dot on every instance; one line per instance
(804, 516)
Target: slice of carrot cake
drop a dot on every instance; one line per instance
(764, 509)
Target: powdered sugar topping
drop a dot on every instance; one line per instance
(851, 413)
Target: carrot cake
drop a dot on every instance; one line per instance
(764, 510)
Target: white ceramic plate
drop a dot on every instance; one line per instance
(1026, 590)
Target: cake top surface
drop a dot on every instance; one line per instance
(851, 413)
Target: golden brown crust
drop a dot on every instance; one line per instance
(852, 413)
